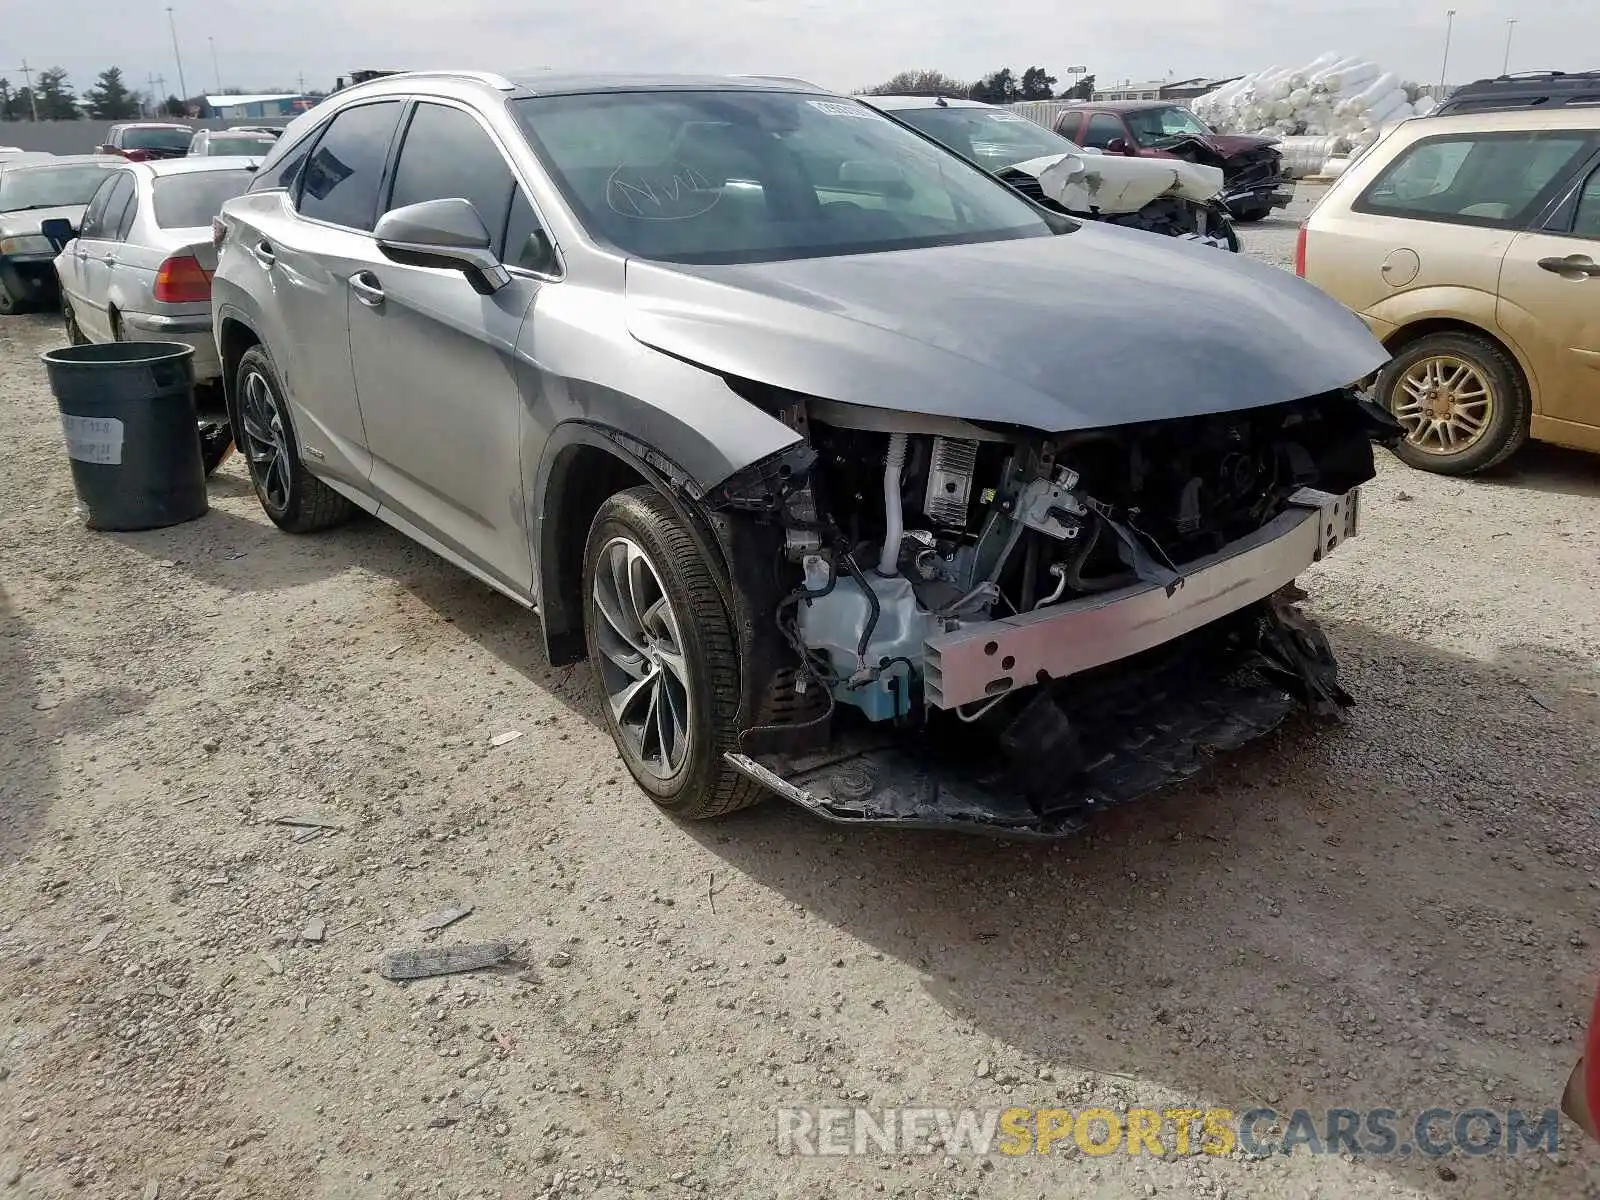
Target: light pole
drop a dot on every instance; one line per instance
(215, 69)
(33, 100)
(1449, 23)
(1505, 65)
(172, 23)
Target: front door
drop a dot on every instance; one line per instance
(1549, 306)
(96, 251)
(435, 362)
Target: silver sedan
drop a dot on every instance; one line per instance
(140, 268)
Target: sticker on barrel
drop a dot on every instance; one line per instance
(93, 439)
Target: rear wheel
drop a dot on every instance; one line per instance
(294, 499)
(1462, 402)
(662, 649)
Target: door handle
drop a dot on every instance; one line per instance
(365, 285)
(263, 254)
(1572, 264)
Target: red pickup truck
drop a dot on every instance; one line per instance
(144, 140)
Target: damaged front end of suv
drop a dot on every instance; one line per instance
(1006, 631)
(1014, 567)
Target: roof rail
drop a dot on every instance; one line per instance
(499, 82)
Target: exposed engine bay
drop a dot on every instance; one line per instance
(1061, 622)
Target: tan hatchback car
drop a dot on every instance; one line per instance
(1471, 246)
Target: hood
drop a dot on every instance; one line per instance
(1097, 327)
(1229, 144)
(1112, 184)
(28, 220)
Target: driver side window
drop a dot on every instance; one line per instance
(94, 216)
(1103, 130)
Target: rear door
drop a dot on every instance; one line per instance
(1550, 303)
(434, 361)
(308, 245)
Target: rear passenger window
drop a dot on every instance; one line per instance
(1500, 180)
(120, 223)
(341, 179)
(281, 171)
(1070, 126)
(447, 155)
(1586, 222)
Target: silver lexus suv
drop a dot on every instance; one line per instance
(857, 477)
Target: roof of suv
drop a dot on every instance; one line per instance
(1525, 90)
(575, 84)
(1507, 120)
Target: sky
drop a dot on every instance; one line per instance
(841, 44)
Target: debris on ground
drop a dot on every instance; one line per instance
(441, 918)
(442, 960)
(503, 739)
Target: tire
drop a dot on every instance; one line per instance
(295, 500)
(10, 306)
(69, 321)
(1442, 372)
(1252, 214)
(636, 537)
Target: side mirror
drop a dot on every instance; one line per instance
(443, 233)
(1118, 146)
(58, 230)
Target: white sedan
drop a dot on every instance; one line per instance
(140, 269)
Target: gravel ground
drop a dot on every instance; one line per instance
(1398, 911)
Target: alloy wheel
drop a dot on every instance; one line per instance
(1445, 404)
(644, 672)
(266, 446)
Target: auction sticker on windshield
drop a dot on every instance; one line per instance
(836, 108)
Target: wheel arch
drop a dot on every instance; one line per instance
(1398, 340)
(234, 337)
(582, 466)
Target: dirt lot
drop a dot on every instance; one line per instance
(1399, 912)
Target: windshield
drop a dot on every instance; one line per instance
(1152, 126)
(190, 200)
(156, 139)
(47, 187)
(752, 176)
(253, 146)
(991, 137)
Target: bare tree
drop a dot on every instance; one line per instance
(919, 83)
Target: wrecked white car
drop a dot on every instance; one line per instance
(1167, 196)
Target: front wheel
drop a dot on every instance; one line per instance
(9, 304)
(662, 649)
(1461, 399)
